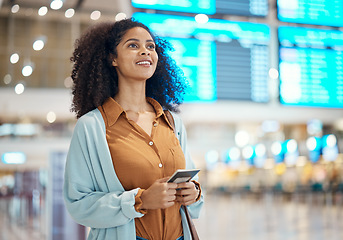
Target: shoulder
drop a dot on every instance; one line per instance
(177, 120)
(91, 120)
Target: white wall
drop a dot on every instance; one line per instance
(36, 103)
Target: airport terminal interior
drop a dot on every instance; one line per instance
(263, 111)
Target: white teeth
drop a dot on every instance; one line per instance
(144, 63)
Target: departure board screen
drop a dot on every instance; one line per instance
(195, 57)
(318, 12)
(311, 67)
(192, 6)
(221, 59)
(257, 8)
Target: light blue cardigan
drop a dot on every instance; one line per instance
(92, 192)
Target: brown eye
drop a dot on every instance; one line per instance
(133, 45)
(151, 46)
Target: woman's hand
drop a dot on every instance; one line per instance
(187, 193)
(159, 195)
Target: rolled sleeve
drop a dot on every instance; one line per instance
(128, 204)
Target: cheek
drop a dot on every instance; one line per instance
(155, 58)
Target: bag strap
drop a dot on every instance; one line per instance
(190, 223)
(191, 226)
(170, 119)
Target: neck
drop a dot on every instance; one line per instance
(133, 98)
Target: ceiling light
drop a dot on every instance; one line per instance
(42, 11)
(27, 70)
(51, 117)
(56, 4)
(14, 58)
(15, 8)
(95, 15)
(38, 45)
(69, 13)
(120, 16)
(19, 88)
(242, 138)
(7, 79)
(273, 73)
(68, 82)
(201, 18)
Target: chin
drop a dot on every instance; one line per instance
(146, 76)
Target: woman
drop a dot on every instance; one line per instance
(123, 148)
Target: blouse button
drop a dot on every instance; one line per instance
(155, 124)
(151, 143)
(160, 165)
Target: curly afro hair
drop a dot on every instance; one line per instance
(95, 79)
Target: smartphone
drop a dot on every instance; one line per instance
(183, 175)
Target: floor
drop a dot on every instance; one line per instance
(271, 217)
(225, 216)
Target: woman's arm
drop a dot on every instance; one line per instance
(194, 208)
(93, 195)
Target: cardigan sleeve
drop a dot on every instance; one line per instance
(88, 197)
(195, 208)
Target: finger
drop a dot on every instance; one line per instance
(172, 186)
(181, 195)
(163, 180)
(188, 198)
(169, 204)
(184, 185)
(171, 198)
(184, 198)
(185, 191)
(171, 192)
(182, 202)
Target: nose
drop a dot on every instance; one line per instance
(145, 52)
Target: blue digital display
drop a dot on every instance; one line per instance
(214, 29)
(311, 67)
(310, 38)
(193, 6)
(198, 65)
(221, 59)
(323, 12)
(257, 8)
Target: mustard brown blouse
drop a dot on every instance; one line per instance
(139, 160)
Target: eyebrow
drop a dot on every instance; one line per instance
(137, 40)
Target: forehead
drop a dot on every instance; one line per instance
(137, 33)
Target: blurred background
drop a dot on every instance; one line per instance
(264, 113)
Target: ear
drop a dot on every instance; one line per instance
(112, 58)
(114, 63)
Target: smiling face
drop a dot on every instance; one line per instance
(136, 55)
